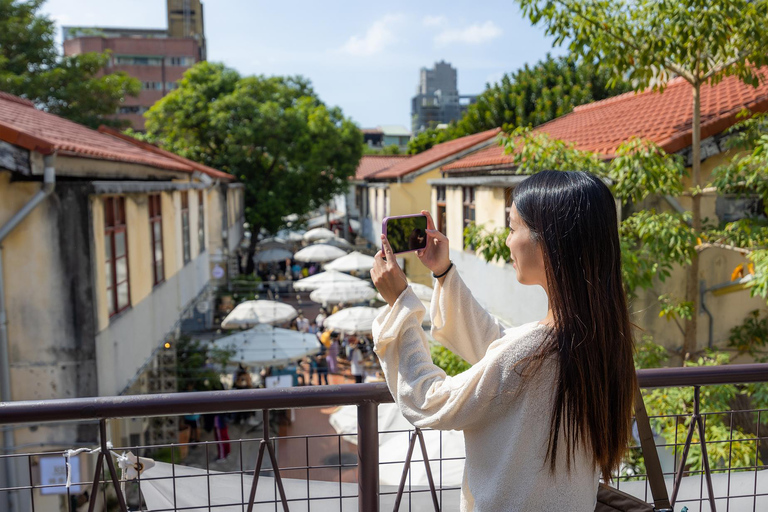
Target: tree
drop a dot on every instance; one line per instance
(529, 96)
(292, 152)
(73, 86)
(647, 42)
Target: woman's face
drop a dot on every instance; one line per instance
(525, 254)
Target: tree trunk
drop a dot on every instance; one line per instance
(692, 284)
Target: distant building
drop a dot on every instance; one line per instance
(157, 57)
(387, 135)
(437, 99)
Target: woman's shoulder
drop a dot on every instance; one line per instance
(521, 341)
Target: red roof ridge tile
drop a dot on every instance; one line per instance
(22, 101)
(624, 96)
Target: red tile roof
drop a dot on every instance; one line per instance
(24, 125)
(665, 118)
(435, 154)
(371, 164)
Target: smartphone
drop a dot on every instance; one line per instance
(405, 233)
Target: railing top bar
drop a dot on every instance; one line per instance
(174, 404)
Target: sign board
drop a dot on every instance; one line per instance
(279, 381)
(53, 471)
(217, 272)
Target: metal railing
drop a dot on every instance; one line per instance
(366, 398)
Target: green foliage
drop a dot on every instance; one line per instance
(72, 86)
(292, 152)
(490, 244)
(535, 151)
(649, 354)
(447, 360)
(747, 172)
(647, 42)
(529, 96)
(751, 335)
(392, 149)
(199, 365)
(642, 168)
(668, 402)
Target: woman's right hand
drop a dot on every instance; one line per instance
(435, 255)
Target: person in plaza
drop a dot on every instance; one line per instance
(356, 361)
(333, 354)
(322, 368)
(221, 434)
(546, 407)
(302, 322)
(320, 318)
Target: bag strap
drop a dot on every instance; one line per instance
(652, 464)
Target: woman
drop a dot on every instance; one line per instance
(546, 407)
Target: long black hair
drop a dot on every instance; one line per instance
(572, 216)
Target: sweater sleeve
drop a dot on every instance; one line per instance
(459, 322)
(426, 396)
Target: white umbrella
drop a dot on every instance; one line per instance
(267, 345)
(393, 446)
(423, 292)
(352, 261)
(272, 255)
(357, 320)
(323, 278)
(338, 242)
(291, 236)
(271, 240)
(351, 292)
(253, 312)
(319, 253)
(354, 225)
(318, 234)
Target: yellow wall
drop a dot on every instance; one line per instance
(140, 274)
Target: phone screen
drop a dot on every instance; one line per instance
(407, 233)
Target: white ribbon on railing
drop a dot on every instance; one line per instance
(71, 453)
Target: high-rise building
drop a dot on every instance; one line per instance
(157, 57)
(437, 99)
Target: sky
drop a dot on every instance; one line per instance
(363, 57)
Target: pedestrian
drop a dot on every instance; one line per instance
(322, 369)
(221, 434)
(302, 322)
(546, 407)
(320, 319)
(333, 353)
(356, 361)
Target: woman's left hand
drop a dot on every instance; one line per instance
(387, 275)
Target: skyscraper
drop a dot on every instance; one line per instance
(437, 99)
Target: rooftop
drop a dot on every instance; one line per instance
(22, 124)
(371, 164)
(664, 118)
(436, 154)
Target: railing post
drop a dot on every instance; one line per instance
(368, 457)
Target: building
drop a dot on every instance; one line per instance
(437, 99)
(479, 187)
(156, 57)
(387, 135)
(401, 187)
(108, 246)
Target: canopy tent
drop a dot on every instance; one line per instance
(272, 255)
(177, 487)
(353, 261)
(393, 447)
(351, 292)
(356, 320)
(316, 234)
(323, 278)
(338, 242)
(319, 253)
(267, 345)
(253, 312)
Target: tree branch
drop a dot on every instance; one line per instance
(718, 68)
(715, 245)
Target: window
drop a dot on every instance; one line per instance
(508, 195)
(152, 86)
(201, 220)
(441, 210)
(133, 109)
(156, 233)
(468, 194)
(179, 61)
(123, 60)
(185, 226)
(116, 255)
(386, 202)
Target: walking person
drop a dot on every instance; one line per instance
(356, 360)
(546, 407)
(221, 434)
(333, 353)
(322, 368)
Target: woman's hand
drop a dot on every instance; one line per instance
(435, 255)
(387, 275)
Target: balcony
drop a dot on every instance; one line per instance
(722, 476)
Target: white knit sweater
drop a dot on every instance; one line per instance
(506, 426)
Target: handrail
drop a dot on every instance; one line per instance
(175, 404)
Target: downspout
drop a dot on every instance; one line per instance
(49, 183)
(702, 292)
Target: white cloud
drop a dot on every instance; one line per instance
(474, 34)
(434, 21)
(378, 36)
